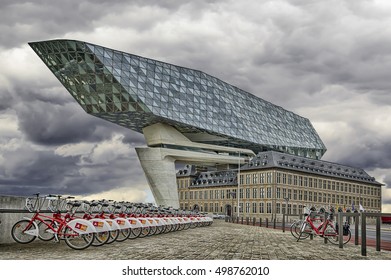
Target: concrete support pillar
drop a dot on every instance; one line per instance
(160, 172)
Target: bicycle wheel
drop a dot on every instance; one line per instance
(78, 241)
(101, 238)
(296, 229)
(19, 229)
(152, 230)
(124, 234)
(113, 236)
(332, 235)
(135, 232)
(144, 231)
(45, 231)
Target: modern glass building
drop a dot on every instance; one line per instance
(185, 114)
(136, 92)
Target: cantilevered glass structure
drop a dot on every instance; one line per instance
(185, 114)
(136, 92)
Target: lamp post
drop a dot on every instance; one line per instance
(232, 194)
(286, 204)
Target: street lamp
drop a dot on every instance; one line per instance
(286, 204)
(232, 194)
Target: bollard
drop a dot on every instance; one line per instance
(267, 222)
(246, 220)
(260, 222)
(242, 220)
(356, 233)
(283, 222)
(363, 235)
(254, 221)
(274, 223)
(378, 234)
(237, 220)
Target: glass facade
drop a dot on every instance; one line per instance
(135, 92)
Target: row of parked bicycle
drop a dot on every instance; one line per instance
(82, 224)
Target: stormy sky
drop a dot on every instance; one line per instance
(329, 61)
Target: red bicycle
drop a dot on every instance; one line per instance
(313, 225)
(77, 233)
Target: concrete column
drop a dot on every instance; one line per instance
(160, 172)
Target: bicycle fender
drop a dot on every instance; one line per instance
(152, 222)
(113, 224)
(33, 232)
(134, 223)
(122, 223)
(100, 225)
(144, 222)
(81, 226)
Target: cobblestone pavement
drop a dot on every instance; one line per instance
(221, 241)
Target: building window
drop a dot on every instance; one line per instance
(294, 194)
(284, 193)
(278, 208)
(310, 182)
(278, 192)
(289, 179)
(284, 179)
(261, 207)
(255, 178)
(310, 196)
(211, 194)
(269, 178)
(254, 192)
(247, 192)
(254, 207)
(305, 196)
(262, 193)
(289, 209)
(222, 194)
(241, 207)
(206, 194)
(248, 179)
(301, 181)
(247, 207)
(216, 207)
(305, 182)
(294, 209)
(262, 178)
(269, 207)
(241, 193)
(289, 193)
(278, 178)
(295, 180)
(268, 192)
(241, 179)
(300, 195)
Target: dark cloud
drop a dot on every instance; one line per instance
(27, 171)
(6, 99)
(328, 61)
